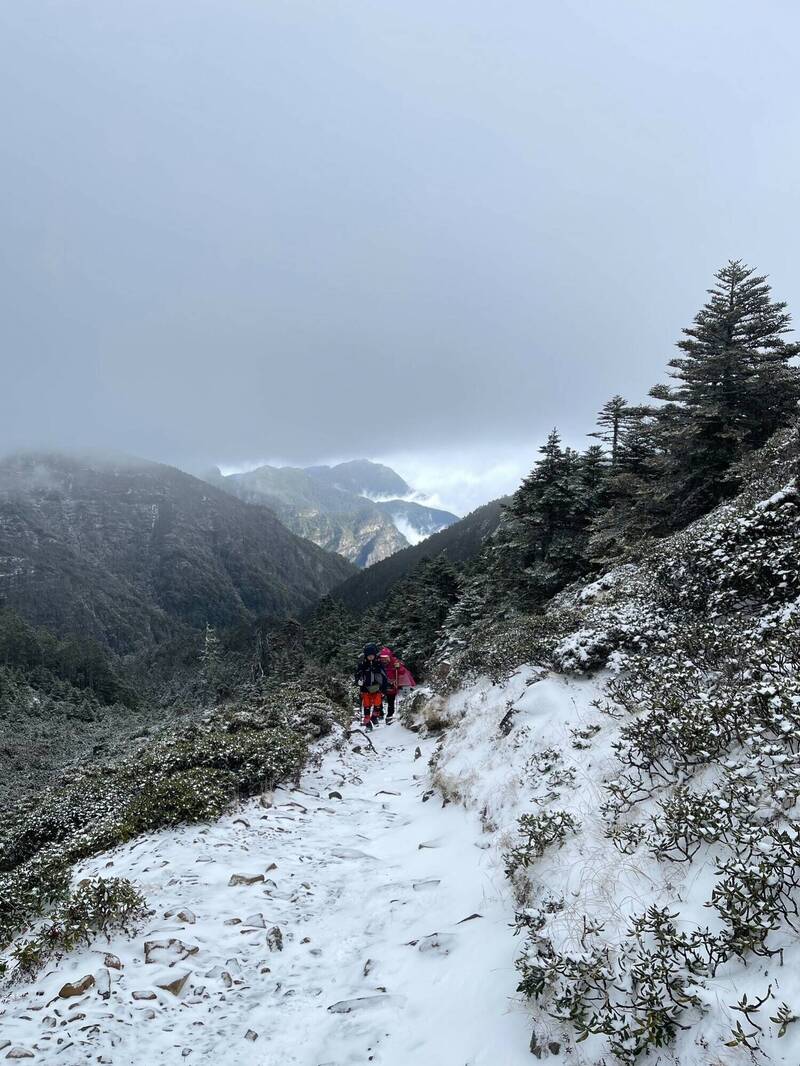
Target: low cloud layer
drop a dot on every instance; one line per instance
(306, 231)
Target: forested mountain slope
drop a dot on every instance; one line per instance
(128, 552)
(459, 542)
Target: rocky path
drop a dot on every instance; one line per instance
(353, 921)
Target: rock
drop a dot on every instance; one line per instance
(143, 994)
(232, 921)
(19, 1053)
(175, 986)
(256, 921)
(334, 795)
(426, 886)
(76, 988)
(250, 1035)
(244, 879)
(387, 792)
(427, 795)
(540, 1050)
(418, 754)
(227, 980)
(111, 961)
(169, 951)
(187, 916)
(440, 943)
(241, 821)
(272, 866)
(275, 939)
(469, 918)
(367, 967)
(103, 981)
(267, 799)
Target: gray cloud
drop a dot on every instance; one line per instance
(308, 230)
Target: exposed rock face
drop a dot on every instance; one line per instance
(336, 520)
(131, 552)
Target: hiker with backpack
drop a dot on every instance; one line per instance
(398, 676)
(373, 684)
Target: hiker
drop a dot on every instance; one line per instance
(398, 676)
(373, 683)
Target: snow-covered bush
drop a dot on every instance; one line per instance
(704, 644)
(97, 906)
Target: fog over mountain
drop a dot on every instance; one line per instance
(222, 222)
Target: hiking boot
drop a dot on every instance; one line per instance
(368, 727)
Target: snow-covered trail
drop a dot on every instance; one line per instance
(375, 895)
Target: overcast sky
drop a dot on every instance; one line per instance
(244, 230)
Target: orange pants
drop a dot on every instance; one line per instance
(371, 705)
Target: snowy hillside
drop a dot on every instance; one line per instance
(351, 919)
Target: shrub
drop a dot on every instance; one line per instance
(98, 905)
(197, 795)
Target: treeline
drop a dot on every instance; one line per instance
(42, 660)
(658, 466)
(655, 467)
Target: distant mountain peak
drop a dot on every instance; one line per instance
(362, 477)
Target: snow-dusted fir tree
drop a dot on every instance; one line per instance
(611, 422)
(734, 387)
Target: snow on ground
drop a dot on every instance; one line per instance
(540, 742)
(395, 923)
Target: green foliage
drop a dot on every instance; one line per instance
(97, 906)
(196, 795)
(38, 656)
(188, 773)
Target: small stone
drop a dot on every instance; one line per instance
(168, 951)
(272, 866)
(111, 961)
(75, 988)
(250, 1035)
(334, 795)
(241, 821)
(175, 986)
(187, 916)
(19, 1053)
(232, 921)
(143, 994)
(256, 921)
(244, 879)
(418, 754)
(275, 939)
(103, 981)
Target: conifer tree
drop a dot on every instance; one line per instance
(611, 420)
(735, 387)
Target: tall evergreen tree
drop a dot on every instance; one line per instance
(611, 421)
(735, 387)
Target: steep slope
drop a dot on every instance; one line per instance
(335, 519)
(128, 552)
(416, 521)
(634, 751)
(459, 541)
